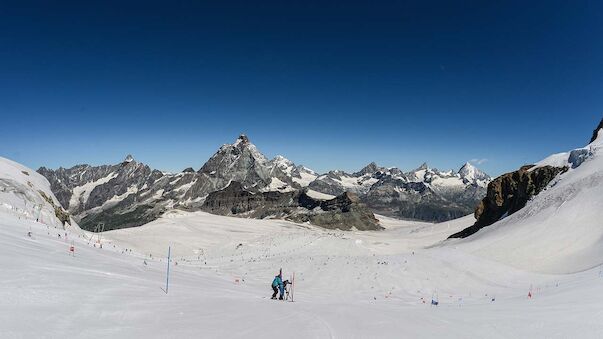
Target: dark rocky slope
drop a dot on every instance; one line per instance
(344, 212)
(509, 193)
(596, 131)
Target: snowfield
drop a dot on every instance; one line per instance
(348, 284)
(535, 274)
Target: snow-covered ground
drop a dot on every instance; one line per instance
(348, 284)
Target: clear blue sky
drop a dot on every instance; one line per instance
(329, 85)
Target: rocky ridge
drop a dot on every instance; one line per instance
(131, 193)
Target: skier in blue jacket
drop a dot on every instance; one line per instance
(277, 284)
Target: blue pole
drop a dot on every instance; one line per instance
(167, 281)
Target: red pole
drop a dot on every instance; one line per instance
(292, 286)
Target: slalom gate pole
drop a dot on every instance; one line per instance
(167, 280)
(292, 286)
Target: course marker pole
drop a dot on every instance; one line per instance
(167, 280)
(292, 286)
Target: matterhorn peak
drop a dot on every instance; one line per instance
(242, 140)
(424, 166)
(129, 158)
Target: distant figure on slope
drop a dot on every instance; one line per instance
(277, 284)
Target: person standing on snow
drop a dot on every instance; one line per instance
(277, 284)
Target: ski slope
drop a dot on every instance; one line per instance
(348, 284)
(376, 284)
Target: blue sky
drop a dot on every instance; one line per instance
(329, 85)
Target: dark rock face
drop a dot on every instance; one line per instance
(235, 200)
(59, 212)
(596, 131)
(509, 193)
(343, 212)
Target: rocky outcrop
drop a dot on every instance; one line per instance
(236, 200)
(596, 131)
(509, 193)
(58, 210)
(344, 212)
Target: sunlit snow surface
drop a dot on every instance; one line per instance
(348, 284)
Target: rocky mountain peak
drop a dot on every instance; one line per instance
(304, 169)
(242, 140)
(424, 166)
(596, 131)
(282, 160)
(472, 173)
(129, 158)
(467, 168)
(368, 169)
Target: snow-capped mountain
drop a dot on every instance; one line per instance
(126, 194)
(300, 175)
(337, 182)
(423, 193)
(131, 193)
(472, 174)
(244, 163)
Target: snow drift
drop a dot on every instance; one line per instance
(26, 194)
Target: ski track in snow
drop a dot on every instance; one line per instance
(348, 284)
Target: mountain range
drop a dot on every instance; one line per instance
(131, 193)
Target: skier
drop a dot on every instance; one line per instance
(277, 284)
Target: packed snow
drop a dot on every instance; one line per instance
(318, 195)
(306, 176)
